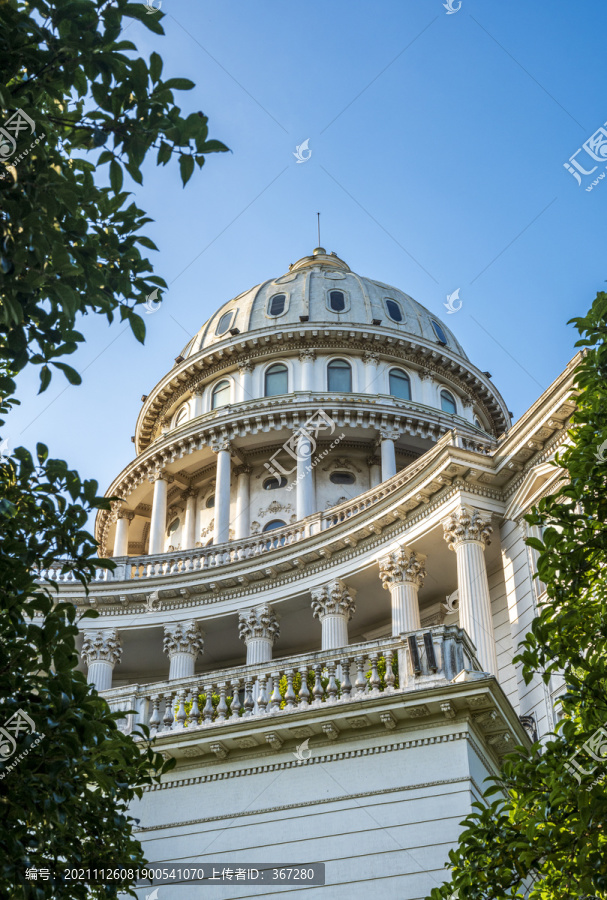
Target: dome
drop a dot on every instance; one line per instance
(322, 289)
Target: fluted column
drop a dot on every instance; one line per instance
(183, 642)
(189, 526)
(428, 388)
(243, 516)
(371, 360)
(387, 439)
(306, 358)
(101, 650)
(468, 404)
(305, 476)
(402, 572)
(197, 403)
(374, 464)
(334, 605)
(245, 372)
(467, 531)
(259, 629)
(160, 479)
(121, 540)
(222, 492)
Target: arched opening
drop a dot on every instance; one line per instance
(276, 304)
(220, 395)
(339, 376)
(337, 301)
(276, 380)
(400, 384)
(447, 403)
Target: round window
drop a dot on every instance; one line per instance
(272, 484)
(342, 478)
(224, 323)
(210, 502)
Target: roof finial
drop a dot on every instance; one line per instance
(318, 218)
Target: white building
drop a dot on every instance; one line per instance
(386, 536)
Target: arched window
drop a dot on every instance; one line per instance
(272, 484)
(276, 304)
(339, 376)
(173, 527)
(441, 337)
(394, 310)
(181, 416)
(337, 301)
(275, 523)
(220, 395)
(477, 422)
(224, 323)
(447, 402)
(277, 380)
(400, 384)
(210, 502)
(342, 478)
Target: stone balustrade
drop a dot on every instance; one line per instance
(409, 662)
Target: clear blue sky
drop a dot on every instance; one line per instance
(438, 143)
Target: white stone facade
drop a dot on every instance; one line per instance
(376, 618)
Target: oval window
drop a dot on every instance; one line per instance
(438, 331)
(275, 523)
(447, 403)
(400, 384)
(272, 484)
(337, 301)
(394, 310)
(277, 304)
(220, 395)
(210, 502)
(342, 478)
(224, 323)
(276, 381)
(173, 527)
(339, 376)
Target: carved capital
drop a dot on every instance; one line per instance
(245, 367)
(189, 492)
(333, 599)
(125, 514)
(402, 565)
(389, 434)
(160, 475)
(242, 470)
(259, 622)
(466, 524)
(307, 355)
(221, 444)
(371, 357)
(467, 402)
(425, 375)
(101, 646)
(373, 461)
(183, 637)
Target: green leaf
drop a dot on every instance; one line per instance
(186, 166)
(115, 176)
(45, 378)
(155, 67)
(179, 84)
(137, 326)
(71, 374)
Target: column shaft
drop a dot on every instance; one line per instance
(475, 602)
(334, 632)
(305, 478)
(222, 497)
(189, 527)
(100, 674)
(405, 607)
(121, 540)
(388, 458)
(159, 514)
(243, 516)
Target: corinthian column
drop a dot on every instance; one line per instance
(183, 642)
(243, 490)
(387, 439)
(306, 358)
(371, 361)
(305, 476)
(222, 491)
(334, 605)
(245, 370)
(259, 629)
(402, 572)
(121, 539)
(160, 480)
(101, 650)
(467, 531)
(189, 525)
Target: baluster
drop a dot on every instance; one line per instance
(390, 679)
(346, 684)
(304, 691)
(318, 691)
(375, 679)
(249, 703)
(181, 714)
(276, 698)
(262, 700)
(222, 707)
(195, 710)
(290, 693)
(155, 717)
(236, 705)
(169, 713)
(332, 686)
(208, 706)
(361, 682)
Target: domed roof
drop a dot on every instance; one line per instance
(306, 289)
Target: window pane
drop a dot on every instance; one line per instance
(277, 305)
(447, 402)
(210, 502)
(438, 331)
(224, 323)
(394, 310)
(276, 381)
(337, 301)
(342, 478)
(340, 376)
(221, 394)
(400, 386)
(272, 484)
(275, 523)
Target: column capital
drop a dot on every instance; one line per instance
(467, 402)
(245, 367)
(373, 461)
(160, 475)
(103, 645)
(371, 357)
(403, 565)
(333, 599)
(125, 514)
(466, 524)
(426, 375)
(244, 469)
(389, 434)
(307, 355)
(183, 637)
(189, 492)
(257, 623)
(218, 444)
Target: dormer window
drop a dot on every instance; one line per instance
(337, 301)
(441, 337)
(224, 323)
(394, 310)
(277, 304)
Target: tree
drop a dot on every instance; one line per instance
(542, 829)
(71, 90)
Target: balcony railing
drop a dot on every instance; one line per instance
(410, 662)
